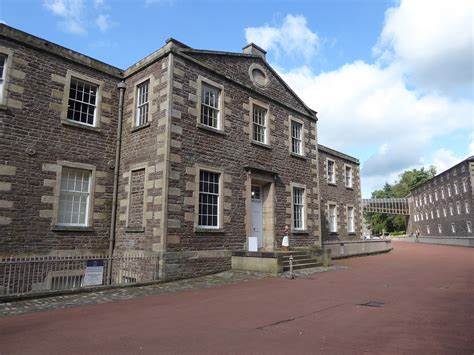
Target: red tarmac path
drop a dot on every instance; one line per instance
(427, 291)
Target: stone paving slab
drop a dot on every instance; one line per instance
(104, 296)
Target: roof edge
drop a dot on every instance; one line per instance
(338, 154)
(16, 35)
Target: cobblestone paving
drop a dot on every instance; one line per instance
(96, 297)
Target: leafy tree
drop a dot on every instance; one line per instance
(408, 180)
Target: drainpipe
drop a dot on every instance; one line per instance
(121, 87)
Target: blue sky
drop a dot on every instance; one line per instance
(392, 80)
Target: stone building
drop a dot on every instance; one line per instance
(187, 155)
(340, 190)
(441, 208)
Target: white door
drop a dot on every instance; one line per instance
(257, 215)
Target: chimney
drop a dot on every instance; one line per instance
(252, 48)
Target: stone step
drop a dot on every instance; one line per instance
(297, 257)
(303, 266)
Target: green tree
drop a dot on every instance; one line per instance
(408, 180)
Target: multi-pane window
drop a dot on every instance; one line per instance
(82, 102)
(427, 229)
(442, 193)
(74, 195)
(296, 138)
(466, 206)
(259, 124)
(464, 186)
(298, 208)
(453, 227)
(350, 219)
(436, 195)
(416, 202)
(331, 171)
(432, 215)
(332, 218)
(421, 215)
(456, 190)
(449, 190)
(348, 176)
(142, 104)
(210, 107)
(3, 62)
(451, 210)
(424, 199)
(440, 230)
(208, 199)
(458, 207)
(431, 198)
(444, 212)
(468, 226)
(426, 215)
(437, 212)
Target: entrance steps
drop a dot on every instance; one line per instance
(301, 260)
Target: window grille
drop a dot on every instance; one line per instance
(208, 199)
(210, 110)
(142, 103)
(298, 208)
(259, 124)
(296, 140)
(82, 102)
(74, 197)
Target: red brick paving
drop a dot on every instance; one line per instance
(427, 291)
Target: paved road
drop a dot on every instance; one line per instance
(427, 293)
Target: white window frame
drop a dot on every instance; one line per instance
(436, 195)
(464, 185)
(458, 207)
(442, 193)
(205, 82)
(142, 105)
(445, 214)
(332, 218)
(456, 190)
(428, 229)
(301, 206)
(294, 140)
(220, 209)
(448, 187)
(5, 75)
(349, 185)
(90, 201)
(421, 216)
(350, 219)
(467, 208)
(440, 229)
(453, 227)
(431, 213)
(256, 106)
(437, 212)
(469, 226)
(70, 76)
(328, 175)
(431, 198)
(451, 209)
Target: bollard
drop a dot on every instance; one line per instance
(292, 276)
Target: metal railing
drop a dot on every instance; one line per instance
(38, 274)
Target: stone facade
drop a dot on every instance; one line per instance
(442, 206)
(340, 195)
(264, 170)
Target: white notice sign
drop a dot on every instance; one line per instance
(94, 273)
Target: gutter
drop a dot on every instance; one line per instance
(121, 87)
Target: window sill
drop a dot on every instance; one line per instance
(3, 107)
(299, 231)
(210, 129)
(208, 230)
(80, 125)
(59, 228)
(299, 156)
(332, 183)
(260, 144)
(349, 187)
(138, 128)
(134, 229)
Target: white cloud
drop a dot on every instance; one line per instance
(433, 40)
(70, 12)
(444, 158)
(103, 22)
(293, 37)
(77, 16)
